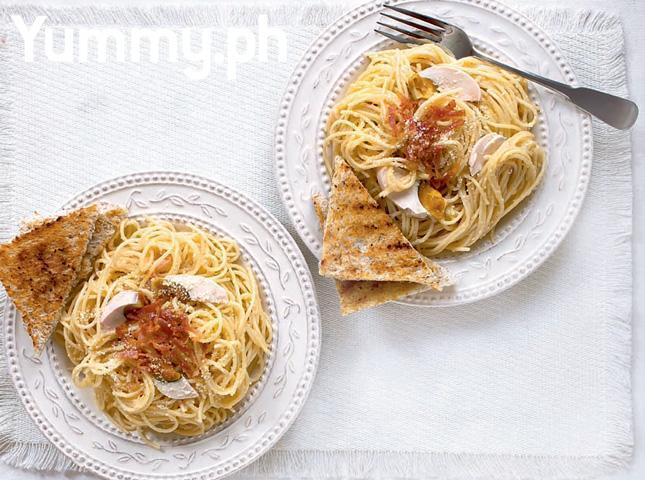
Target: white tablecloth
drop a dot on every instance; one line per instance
(637, 238)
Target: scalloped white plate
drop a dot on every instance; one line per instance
(528, 235)
(69, 417)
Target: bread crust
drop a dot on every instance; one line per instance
(105, 226)
(362, 242)
(43, 265)
(40, 267)
(360, 295)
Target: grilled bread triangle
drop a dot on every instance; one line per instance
(41, 267)
(362, 242)
(359, 295)
(106, 225)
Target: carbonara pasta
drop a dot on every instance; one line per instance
(219, 348)
(395, 123)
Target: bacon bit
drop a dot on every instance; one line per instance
(420, 137)
(129, 354)
(156, 340)
(399, 115)
(391, 120)
(442, 181)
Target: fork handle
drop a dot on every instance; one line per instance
(616, 111)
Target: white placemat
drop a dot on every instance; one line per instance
(534, 383)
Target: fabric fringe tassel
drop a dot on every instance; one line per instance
(315, 465)
(26, 455)
(222, 14)
(574, 21)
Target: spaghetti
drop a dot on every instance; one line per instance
(392, 119)
(219, 348)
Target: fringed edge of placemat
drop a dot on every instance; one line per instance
(227, 13)
(413, 465)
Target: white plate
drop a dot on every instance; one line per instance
(530, 233)
(68, 416)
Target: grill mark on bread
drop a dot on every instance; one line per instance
(41, 266)
(359, 295)
(362, 243)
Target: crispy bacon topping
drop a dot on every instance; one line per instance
(156, 340)
(421, 137)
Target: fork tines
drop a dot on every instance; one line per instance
(431, 28)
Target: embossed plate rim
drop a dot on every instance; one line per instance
(535, 245)
(256, 430)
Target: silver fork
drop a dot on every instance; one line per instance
(618, 112)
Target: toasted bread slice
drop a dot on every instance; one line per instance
(51, 256)
(320, 207)
(40, 267)
(106, 224)
(355, 296)
(362, 242)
